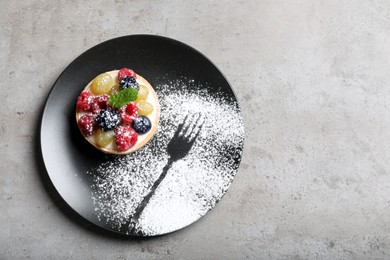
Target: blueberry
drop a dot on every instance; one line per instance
(108, 119)
(142, 124)
(128, 82)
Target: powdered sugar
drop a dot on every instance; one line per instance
(194, 184)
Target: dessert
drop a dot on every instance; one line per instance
(118, 111)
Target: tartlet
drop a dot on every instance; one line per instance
(118, 111)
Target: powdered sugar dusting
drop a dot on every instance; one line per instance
(194, 184)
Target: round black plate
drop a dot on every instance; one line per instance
(105, 189)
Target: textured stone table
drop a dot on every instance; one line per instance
(313, 80)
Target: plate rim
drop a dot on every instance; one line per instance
(45, 108)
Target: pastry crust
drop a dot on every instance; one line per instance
(142, 139)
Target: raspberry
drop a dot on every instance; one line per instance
(102, 101)
(126, 119)
(87, 124)
(125, 72)
(95, 108)
(99, 103)
(129, 113)
(85, 101)
(125, 137)
(132, 109)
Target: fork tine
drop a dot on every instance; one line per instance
(187, 126)
(193, 138)
(190, 127)
(180, 127)
(197, 125)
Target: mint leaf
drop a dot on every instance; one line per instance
(123, 97)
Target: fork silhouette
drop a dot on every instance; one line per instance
(178, 147)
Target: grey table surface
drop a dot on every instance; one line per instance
(313, 81)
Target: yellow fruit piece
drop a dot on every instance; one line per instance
(102, 84)
(144, 108)
(114, 89)
(104, 138)
(142, 93)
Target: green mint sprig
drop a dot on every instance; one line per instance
(123, 97)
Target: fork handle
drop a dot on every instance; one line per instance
(138, 211)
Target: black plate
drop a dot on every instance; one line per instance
(87, 179)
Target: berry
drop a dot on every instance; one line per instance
(108, 119)
(125, 72)
(99, 103)
(142, 124)
(102, 101)
(95, 108)
(132, 109)
(88, 124)
(102, 84)
(126, 119)
(125, 137)
(142, 93)
(103, 138)
(85, 101)
(129, 113)
(128, 82)
(145, 108)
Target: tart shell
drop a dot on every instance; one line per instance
(142, 139)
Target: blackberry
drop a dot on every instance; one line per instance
(108, 119)
(142, 124)
(128, 82)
